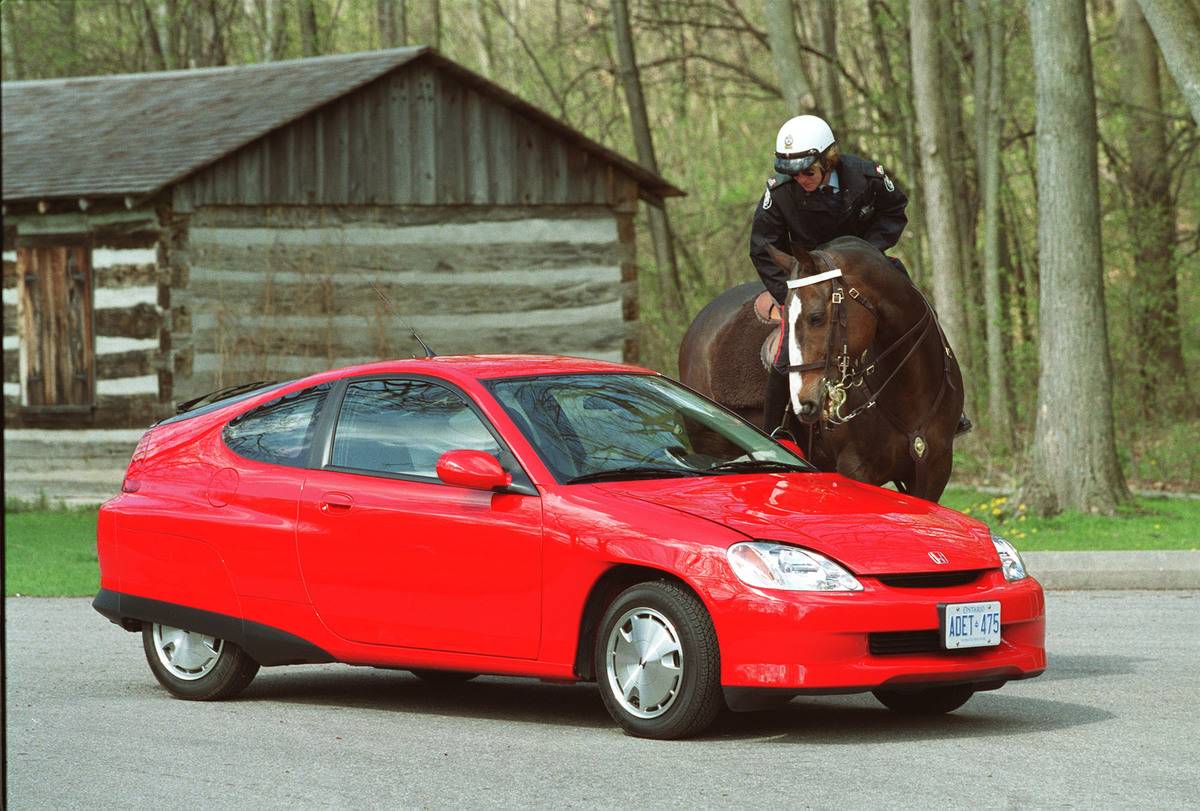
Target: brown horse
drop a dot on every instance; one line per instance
(875, 389)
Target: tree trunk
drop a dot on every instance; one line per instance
(966, 194)
(1073, 459)
(385, 18)
(835, 108)
(14, 69)
(660, 227)
(484, 44)
(910, 168)
(217, 40)
(70, 38)
(153, 43)
(437, 23)
(940, 204)
(785, 50)
(1176, 26)
(308, 28)
(989, 94)
(1152, 221)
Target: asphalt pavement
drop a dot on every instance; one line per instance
(1112, 723)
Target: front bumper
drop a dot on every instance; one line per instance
(819, 642)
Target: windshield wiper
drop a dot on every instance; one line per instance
(634, 472)
(754, 465)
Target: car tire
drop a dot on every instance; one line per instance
(930, 701)
(194, 666)
(679, 694)
(443, 676)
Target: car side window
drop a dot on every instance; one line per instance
(280, 431)
(404, 426)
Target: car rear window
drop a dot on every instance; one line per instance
(402, 427)
(280, 431)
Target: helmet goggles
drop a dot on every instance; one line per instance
(793, 163)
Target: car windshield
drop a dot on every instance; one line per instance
(596, 427)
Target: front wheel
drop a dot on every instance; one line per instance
(930, 701)
(195, 666)
(657, 662)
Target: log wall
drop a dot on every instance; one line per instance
(275, 293)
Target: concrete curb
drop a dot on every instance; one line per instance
(1124, 571)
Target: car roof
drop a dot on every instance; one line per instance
(483, 367)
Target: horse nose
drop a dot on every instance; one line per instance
(808, 408)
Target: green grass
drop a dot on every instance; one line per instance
(1147, 523)
(52, 552)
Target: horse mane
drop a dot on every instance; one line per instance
(876, 260)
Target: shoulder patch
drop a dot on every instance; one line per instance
(771, 182)
(879, 170)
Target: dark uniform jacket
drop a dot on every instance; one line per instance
(868, 205)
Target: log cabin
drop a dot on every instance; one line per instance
(166, 234)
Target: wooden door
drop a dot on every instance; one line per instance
(55, 312)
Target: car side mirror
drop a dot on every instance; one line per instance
(784, 437)
(478, 470)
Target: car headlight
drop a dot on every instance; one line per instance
(776, 566)
(1010, 560)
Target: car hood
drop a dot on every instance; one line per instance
(867, 529)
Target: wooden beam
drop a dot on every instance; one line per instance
(81, 223)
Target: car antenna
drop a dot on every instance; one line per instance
(429, 353)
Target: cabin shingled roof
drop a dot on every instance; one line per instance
(135, 134)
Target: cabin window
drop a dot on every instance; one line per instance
(56, 326)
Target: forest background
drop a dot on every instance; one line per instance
(944, 94)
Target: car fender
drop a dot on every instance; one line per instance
(589, 532)
(175, 569)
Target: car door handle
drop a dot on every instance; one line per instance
(335, 502)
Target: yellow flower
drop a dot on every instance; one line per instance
(1020, 506)
(996, 510)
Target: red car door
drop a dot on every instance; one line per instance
(391, 555)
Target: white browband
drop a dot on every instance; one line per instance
(820, 277)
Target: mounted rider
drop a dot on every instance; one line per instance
(818, 194)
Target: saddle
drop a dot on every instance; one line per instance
(768, 312)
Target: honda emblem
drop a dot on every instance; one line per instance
(938, 558)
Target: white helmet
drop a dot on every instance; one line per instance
(801, 140)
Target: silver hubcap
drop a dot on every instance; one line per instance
(187, 655)
(644, 663)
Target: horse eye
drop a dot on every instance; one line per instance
(816, 318)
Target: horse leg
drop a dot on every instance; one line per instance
(776, 403)
(938, 476)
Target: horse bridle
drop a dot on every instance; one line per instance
(835, 394)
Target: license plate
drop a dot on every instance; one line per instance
(970, 625)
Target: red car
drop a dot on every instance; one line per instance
(565, 519)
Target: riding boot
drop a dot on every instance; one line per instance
(964, 425)
(776, 400)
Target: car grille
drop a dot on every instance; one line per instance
(890, 643)
(893, 642)
(930, 580)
